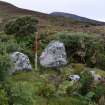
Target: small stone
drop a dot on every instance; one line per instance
(74, 77)
(96, 76)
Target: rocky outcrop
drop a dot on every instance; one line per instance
(54, 55)
(21, 62)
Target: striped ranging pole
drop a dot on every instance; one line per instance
(36, 50)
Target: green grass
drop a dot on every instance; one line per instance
(37, 80)
(66, 101)
(25, 76)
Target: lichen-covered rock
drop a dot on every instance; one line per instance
(54, 55)
(21, 62)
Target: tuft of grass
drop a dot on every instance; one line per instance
(78, 68)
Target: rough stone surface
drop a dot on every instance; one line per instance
(54, 55)
(21, 62)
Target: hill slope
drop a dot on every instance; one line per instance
(78, 18)
(48, 23)
(9, 8)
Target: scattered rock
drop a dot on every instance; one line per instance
(74, 77)
(96, 77)
(21, 62)
(54, 55)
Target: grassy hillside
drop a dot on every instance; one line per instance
(51, 86)
(78, 18)
(47, 23)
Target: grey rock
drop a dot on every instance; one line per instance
(21, 62)
(96, 76)
(54, 55)
(74, 77)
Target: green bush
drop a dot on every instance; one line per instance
(8, 44)
(5, 66)
(47, 91)
(3, 97)
(21, 26)
(83, 47)
(86, 82)
(101, 61)
(21, 93)
(99, 91)
(63, 88)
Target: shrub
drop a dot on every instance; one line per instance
(73, 90)
(95, 47)
(101, 61)
(21, 93)
(82, 47)
(62, 90)
(8, 44)
(44, 88)
(99, 91)
(21, 26)
(5, 66)
(86, 82)
(47, 91)
(3, 97)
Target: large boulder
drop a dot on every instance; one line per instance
(21, 62)
(54, 55)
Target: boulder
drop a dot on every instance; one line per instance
(21, 62)
(54, 55)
